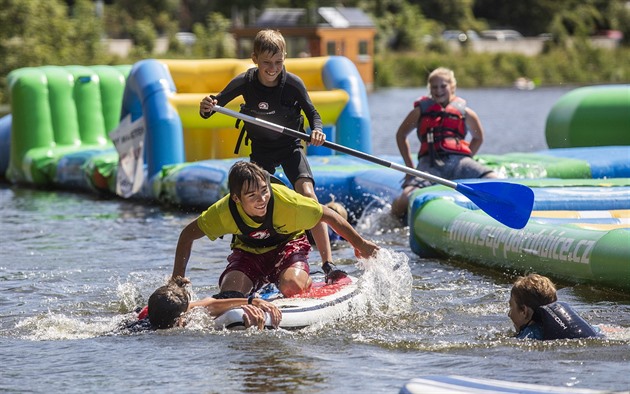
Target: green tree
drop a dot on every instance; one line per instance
(143, 35)
(452, 14)
(122, 15)
(533, 17)
(35, 33)
(618, 14)
(400, 25)
(571, 27)
(214, 39)
(530, 17)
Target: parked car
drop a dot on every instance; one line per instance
(501, 35)
(458, 35)
(186, 38)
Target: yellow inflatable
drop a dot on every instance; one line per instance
(215, 138)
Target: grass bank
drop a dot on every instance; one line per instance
(555, 67)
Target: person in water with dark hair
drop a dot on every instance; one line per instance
(537, 313)
(168, 304)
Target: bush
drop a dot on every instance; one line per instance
(577, 65)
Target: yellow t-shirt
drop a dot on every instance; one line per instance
(292, 214)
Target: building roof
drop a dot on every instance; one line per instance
(355, 17)
(338, 17)
(281, 17)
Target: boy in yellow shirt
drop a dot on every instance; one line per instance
(268, 221)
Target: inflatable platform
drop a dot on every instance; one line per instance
(454, 384)
(590, 116)
(579, 231)
(323, 303)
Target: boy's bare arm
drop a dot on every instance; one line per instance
(189, 234)
(363, 247)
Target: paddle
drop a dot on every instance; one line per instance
(508, 203)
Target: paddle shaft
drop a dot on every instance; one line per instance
(337, 147)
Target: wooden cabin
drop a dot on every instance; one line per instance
(323, 31)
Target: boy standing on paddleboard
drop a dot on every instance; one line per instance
(275, 95)
(268, 221)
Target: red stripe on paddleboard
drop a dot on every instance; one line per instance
(321, 289)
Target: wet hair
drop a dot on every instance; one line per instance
(244, 174)
(445, 73)
(167, 303)
(534, 291)
(271, 41)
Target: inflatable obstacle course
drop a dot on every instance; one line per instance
(59, 110)
(65, 114)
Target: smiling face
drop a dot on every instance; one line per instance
(442, 90)
(254, 198)
(269, 67)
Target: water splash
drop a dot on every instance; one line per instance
(386, 282)
(53, 326)
(377, 218)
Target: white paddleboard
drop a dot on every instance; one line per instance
(322, 303)
(460, 384)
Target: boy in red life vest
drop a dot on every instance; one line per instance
(441, 121)
(269, 245)
(275, 95)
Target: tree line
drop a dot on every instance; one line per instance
(35, 32)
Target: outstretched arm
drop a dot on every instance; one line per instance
(218, 306)
(184, 246)
(363, 248)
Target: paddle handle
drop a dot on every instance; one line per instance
(334, 146)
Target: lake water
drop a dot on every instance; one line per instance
(72, 266)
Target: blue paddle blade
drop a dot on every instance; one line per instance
(508, 203)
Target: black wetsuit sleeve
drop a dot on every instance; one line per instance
(235, 88)
(304, 100)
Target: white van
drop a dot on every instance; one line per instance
(501, 35)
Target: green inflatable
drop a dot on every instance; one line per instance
(590, 116)
(58, 110)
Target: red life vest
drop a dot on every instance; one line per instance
(442, 129)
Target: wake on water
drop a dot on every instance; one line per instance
(385, 288)
(385, 283)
